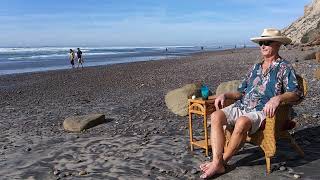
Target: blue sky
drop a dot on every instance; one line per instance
(141, 22)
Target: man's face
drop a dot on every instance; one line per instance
(269, 48)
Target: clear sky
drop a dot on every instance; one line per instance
(141, 22)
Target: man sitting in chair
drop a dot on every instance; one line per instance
(266, 85)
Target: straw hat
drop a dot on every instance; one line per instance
(271, 34)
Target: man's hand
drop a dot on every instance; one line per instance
(219, 101)
(271, 106)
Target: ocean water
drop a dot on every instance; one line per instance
(20, 60)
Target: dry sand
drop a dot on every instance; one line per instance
(142, 139)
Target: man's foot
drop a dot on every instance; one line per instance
(204, 166)
(211, 169)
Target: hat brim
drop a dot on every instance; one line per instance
(282, 39)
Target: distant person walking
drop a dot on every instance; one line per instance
(71, 57)
(80, 58)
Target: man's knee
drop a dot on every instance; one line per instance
(243, 125)
(218, 117)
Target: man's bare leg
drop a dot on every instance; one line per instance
(218, 120)
(242, 126)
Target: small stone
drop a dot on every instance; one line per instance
(56, 172)
(297, 176)
(305, 116)
(162, 170)
(62, 175)
(82, 173)
(282, 168)
(315, 115)
(28, 149)
(290, 170)
(194, 171)
(306, 142)
(184, 171)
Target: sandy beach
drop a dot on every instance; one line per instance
(141, 139)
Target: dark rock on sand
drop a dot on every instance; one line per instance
(83, 172)
(310, 56)
(177, 100)
(230, 86)
(79, 123)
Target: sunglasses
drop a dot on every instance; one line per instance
(266, 43)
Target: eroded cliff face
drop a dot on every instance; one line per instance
(306, 30)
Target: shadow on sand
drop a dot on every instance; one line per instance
(308, 139)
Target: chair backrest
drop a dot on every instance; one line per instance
(302, 84)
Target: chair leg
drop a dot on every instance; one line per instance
(190, 131)
(268, 165)
(293, 143)
(227, 134)
(296, 146)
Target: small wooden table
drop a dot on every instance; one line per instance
(202, 108)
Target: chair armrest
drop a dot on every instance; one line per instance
(266, 138)
(292, 102)
(208, 104)
(270, 125)
(227, 102)
(212, 97)
(277, 122)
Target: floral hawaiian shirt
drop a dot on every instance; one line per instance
(258, 88)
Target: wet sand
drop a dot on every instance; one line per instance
(142, 139)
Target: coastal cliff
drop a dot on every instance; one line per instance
(306, 30)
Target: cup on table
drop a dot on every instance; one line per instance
(204, 92)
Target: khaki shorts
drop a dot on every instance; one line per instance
(233, 113)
